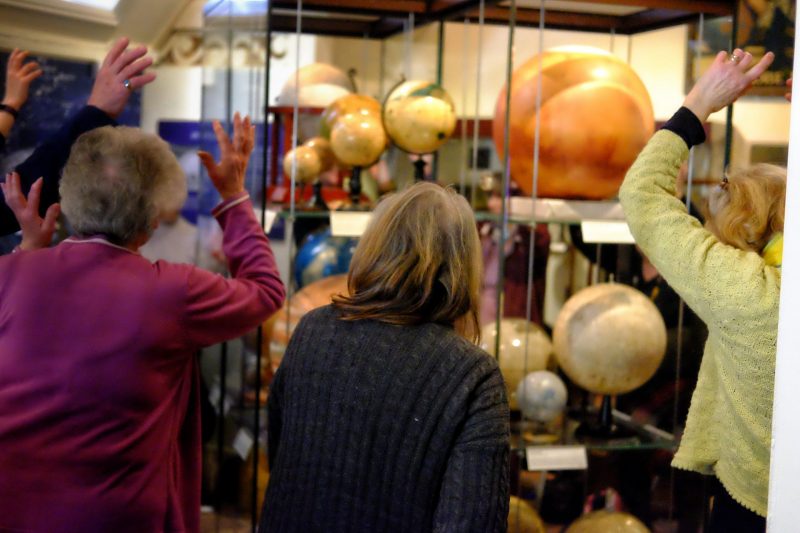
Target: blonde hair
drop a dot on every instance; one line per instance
(118, 181)
(748, 210)
(418, 261)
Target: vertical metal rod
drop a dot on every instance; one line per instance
(296, 110)
(532, 231)
(409, 44)
(255, 497)
(462, 180)
(729, 111)
(439, 68)
(223, 370)
(506, 172)
(477, 120)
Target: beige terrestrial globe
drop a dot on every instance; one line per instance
(308, 163)
(607, 522)
(609, 338)
(419, 116)
(516, 359)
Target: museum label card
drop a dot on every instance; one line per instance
(556, 457)
(349, 223)
(606, 232)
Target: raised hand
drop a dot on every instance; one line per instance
(19, 76)
(121, 72)
(228, 175)
(725, 80)
(36, 232)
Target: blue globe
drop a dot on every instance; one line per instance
(322, 255)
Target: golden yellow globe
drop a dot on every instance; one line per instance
(345, 105)
(607, 522)
(419, 116)
(308, 163)
(357, 139)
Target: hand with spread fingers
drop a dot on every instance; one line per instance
(728, 78)
(19, 76)
(228, 175)
(121, 72)
(36, 232)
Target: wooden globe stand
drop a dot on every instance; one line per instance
(355, 192)
(419, 169)
(603, 427)
(316, 202)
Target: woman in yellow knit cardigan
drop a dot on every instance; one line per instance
(728, 272)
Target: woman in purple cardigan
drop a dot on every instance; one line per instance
(99, 405)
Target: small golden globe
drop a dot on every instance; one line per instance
(308, 163)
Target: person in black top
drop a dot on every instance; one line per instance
(121, 72)
(19, 76)
(384, 414)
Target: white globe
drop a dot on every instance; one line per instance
(541, 396)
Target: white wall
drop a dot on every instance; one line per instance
(176, 94)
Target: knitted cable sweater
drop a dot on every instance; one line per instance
(375, 427)
(736, 294)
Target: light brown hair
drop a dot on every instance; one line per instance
(747, 210)
(418, 261)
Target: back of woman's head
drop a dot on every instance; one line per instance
(748, 210)
(419, 261)
(118, 181)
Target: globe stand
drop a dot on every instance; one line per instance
(603, 428)
(540, 433)
(419, 169)
(316, 202)
(355, 192)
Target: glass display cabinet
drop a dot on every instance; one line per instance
(535, 165)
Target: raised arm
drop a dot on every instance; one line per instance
(110, 94)
(19, 76)
(474, 493)
(700, 268)
(219, 308)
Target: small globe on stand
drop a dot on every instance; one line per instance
(607, 522)
(516, 355)
(327, 162)
(307, 167)
(358, 140)
(345, 105)
(609, 339)
(419, 117)
(542, 397)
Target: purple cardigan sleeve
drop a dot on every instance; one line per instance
(48, 160)
(219, 308)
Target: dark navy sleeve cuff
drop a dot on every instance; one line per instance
(687, 126)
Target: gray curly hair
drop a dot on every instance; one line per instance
(118, 181)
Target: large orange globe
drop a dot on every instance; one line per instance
(595, 117)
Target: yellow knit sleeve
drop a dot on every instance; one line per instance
(719, 282)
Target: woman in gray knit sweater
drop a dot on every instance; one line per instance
(384, 415)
